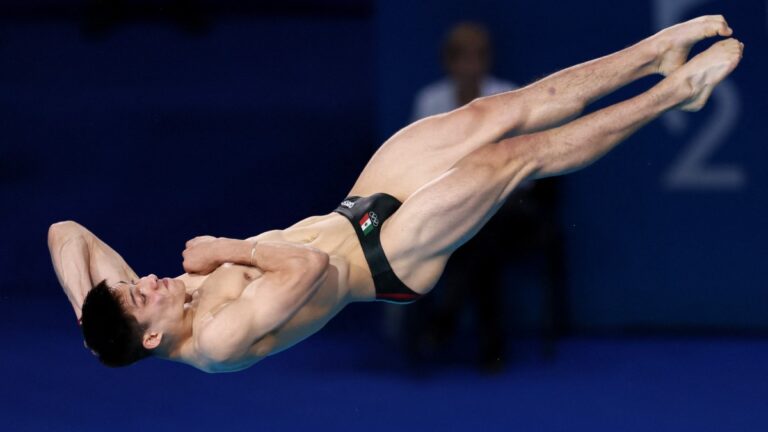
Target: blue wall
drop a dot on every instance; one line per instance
(149, 136)
(651, 241)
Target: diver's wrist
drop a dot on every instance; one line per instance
(235, 251)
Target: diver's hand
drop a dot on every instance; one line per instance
(200, 239)
(202, 254)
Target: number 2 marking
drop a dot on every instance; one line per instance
(690, 170)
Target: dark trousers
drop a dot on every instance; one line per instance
(526, 225)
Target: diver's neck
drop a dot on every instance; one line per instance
(180, 346)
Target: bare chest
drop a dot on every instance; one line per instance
(225, 285)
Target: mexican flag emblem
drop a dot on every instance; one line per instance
(368, 222)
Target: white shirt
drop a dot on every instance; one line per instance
(440, 96)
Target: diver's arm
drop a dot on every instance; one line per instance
(81, 260)
(205, 254)
(292, 274)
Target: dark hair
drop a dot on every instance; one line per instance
(109, 331)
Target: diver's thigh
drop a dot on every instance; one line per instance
(420, 153)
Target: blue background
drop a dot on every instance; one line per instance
(149, 134)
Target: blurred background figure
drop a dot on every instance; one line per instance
(526, 226)
(466, 55)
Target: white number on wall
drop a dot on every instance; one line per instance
(692, 169)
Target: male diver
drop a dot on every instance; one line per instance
(424, 193)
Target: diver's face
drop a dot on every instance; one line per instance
(157, 304)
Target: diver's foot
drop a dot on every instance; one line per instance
(673, 44)
(703, 72)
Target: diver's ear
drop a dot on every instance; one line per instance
(152, 340)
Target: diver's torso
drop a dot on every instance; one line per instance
(348, 279)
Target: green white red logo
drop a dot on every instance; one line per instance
(369, 222)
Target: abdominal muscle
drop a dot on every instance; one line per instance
(348, 278)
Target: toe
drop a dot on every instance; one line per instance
(719, 18)
(719, 25)
(724, 29)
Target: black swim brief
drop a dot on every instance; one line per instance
(367, 215)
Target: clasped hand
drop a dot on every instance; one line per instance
(202, 254)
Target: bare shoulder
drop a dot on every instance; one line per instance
(221, 344)
(224, 334)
